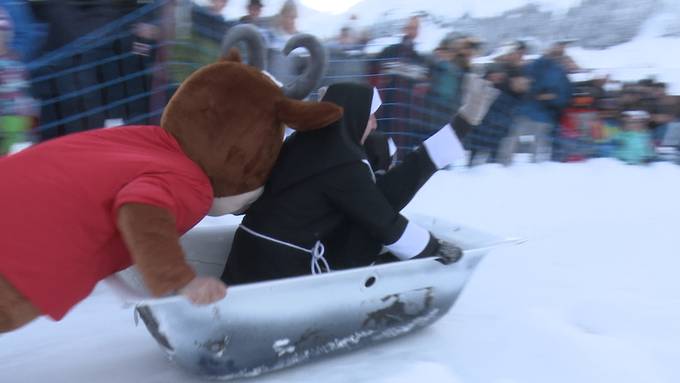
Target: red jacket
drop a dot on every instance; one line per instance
(58, 204)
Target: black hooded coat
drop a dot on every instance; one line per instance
(323, 189)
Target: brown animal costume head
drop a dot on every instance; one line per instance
(229, 117)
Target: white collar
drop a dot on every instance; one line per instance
(376, 101)
(234, 204)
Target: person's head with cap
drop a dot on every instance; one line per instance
(445, 50)
(254, 9)
(511, 52)
(521, 46)
(412, 28)
(558, 47)
(287, 16)
(466, 48)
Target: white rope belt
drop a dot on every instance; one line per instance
(318, 263)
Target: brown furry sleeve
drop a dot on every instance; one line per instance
(151, 237)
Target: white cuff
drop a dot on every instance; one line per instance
(411, 243)
(444, 147)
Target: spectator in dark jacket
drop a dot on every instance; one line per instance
(487, 137)
(445, 83)
(28, 34)
(399, 69)
(83, 103)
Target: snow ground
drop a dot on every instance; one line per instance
(593, 296)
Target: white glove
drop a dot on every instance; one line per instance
(478, 95)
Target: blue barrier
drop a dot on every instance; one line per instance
(101, 76)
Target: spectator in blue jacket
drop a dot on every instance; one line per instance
(487, 137)
(28, 34)
(540, 111)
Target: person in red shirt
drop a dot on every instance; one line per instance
(66, 192)
(77, 209)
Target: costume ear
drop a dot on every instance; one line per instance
(232, 56)
(303, 116)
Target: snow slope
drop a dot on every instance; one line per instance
(650, 54)
(656, 57)
(374, 10)
(593, 296)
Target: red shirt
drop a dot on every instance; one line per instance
(58, 204)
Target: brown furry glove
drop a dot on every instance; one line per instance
(153, 242)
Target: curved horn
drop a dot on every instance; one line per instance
(315, 69)
(248, 34)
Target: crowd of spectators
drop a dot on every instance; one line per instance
(548, 106)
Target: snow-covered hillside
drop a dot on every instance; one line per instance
(650, 54)
(656, 57)
(454, 9)
(592, 297)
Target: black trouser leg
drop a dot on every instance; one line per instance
(351, 246)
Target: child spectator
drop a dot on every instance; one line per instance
(579, 124)
(607, 127)
(14, 104)
(634, 142)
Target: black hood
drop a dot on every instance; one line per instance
(306, 154)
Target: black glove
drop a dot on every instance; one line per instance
(446, 252)
(449, 253)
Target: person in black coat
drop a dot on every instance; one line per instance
(397, 71)
(495, 126)
(323, 208)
